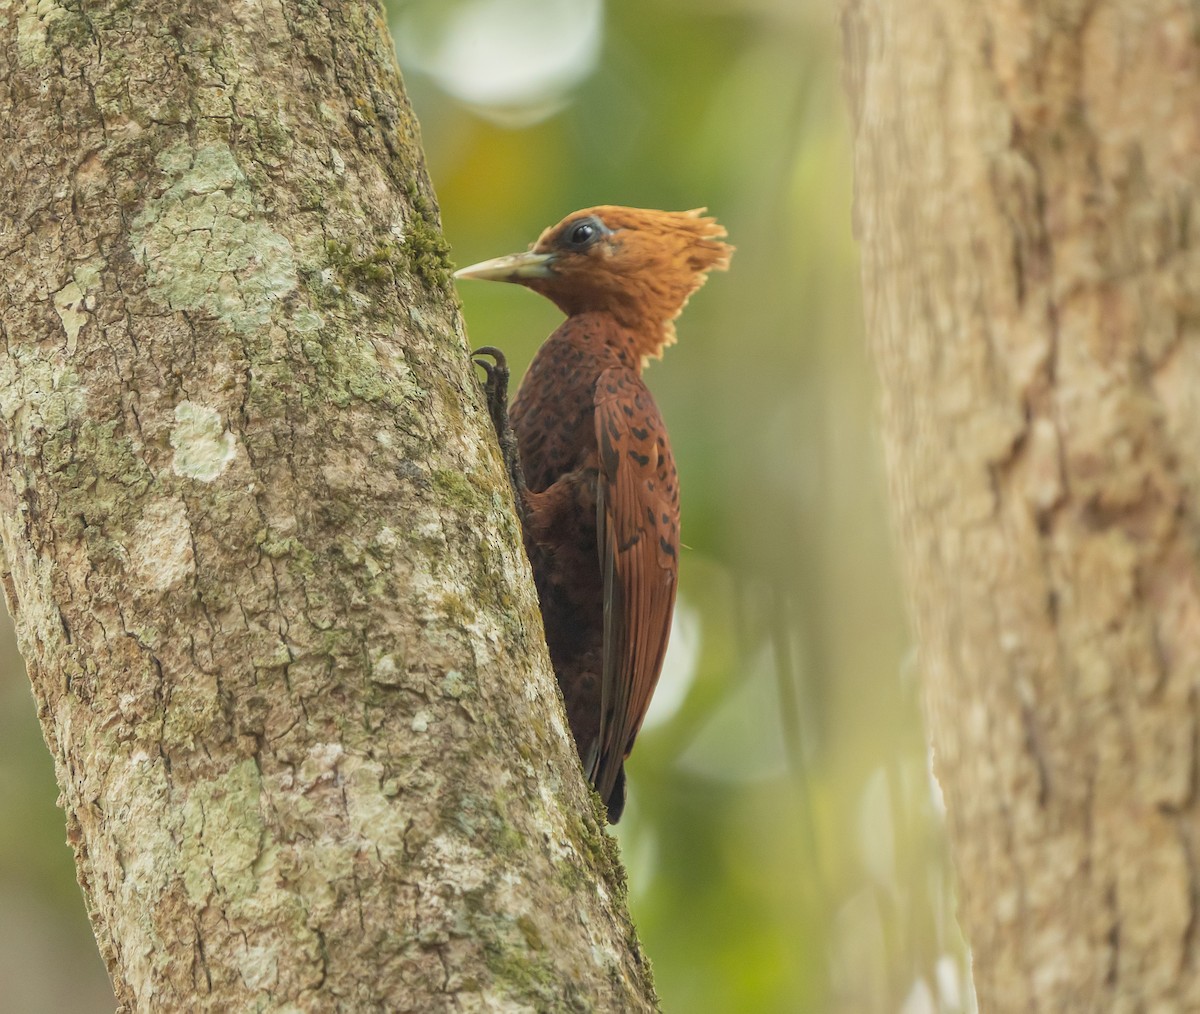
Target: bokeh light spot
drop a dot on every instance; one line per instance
(514, 61)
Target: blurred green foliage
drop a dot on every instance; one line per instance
(784, 847)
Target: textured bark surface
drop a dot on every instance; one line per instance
(262, 556)
(1027, 179)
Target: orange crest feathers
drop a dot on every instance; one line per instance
(706, 252)
(691, 243)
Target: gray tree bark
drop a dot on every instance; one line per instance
(258, 543)
(1027, 181)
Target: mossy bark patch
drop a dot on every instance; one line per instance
(204, 242)
(203, 446)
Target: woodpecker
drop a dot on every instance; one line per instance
(591, 463)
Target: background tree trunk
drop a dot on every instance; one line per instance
(262, 556)
(1026, 187)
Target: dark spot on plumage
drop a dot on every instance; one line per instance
(633, 540)
(650, 515)
(666, 519)
(640, 433)
(608, 455)
(627, 410)
(641, 459)
(666, 546)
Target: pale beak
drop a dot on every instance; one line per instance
(512, 268)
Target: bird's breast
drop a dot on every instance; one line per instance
(553, 414)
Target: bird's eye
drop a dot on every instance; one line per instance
(582, 234)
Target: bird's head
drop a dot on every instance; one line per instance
(640, 266)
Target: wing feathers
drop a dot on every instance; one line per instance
(637, 523)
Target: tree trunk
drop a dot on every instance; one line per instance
(260, 549)
(1026, 185)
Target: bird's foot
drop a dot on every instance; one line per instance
(495, 390)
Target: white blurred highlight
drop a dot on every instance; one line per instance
(513, 60)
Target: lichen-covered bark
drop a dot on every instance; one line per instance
(1026, 199)
(262, 556)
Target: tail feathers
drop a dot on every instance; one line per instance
(616, 799)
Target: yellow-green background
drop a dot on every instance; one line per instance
(783, 843)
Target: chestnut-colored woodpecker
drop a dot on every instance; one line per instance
(591, 463)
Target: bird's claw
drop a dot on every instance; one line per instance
(495, 353)
(495, 388)
(497, 372)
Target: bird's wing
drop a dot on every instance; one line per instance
(637, 520)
